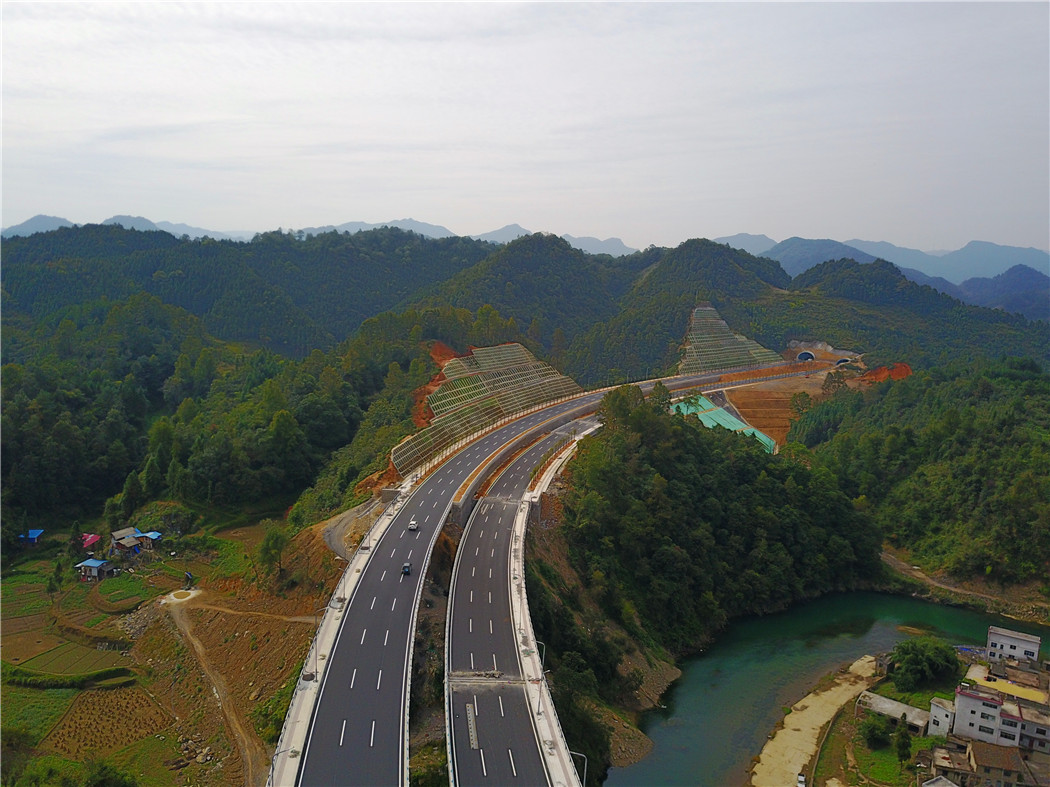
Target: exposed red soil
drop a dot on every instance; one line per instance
(767, 406)
(441, 354)
(895, 371)
(381, 480)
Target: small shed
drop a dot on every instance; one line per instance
(149, 540)
(32, 537)
(90, 539)
(918, 720)
(94, 569)
(128, 544)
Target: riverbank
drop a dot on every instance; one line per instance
(1020, 602)
(793, 747)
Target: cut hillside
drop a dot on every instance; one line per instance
(441, 354)
(767, 406)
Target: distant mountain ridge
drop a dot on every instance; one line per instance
(797, 255)
(611, 246)
(976, 259)
(752, 244)
(1021, 288)
(39, 223)
(409, 225)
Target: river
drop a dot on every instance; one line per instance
(728, 700)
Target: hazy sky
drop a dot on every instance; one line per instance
(927, 125)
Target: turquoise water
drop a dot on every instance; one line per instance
(728, 700)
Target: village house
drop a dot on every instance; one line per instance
(917, 719)
(983, 764)
(127, 539)
(1007, 644)
(32, 537)
(94, 569)
(1006, 703)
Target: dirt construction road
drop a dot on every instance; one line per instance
(253, 754)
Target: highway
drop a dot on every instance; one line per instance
(493, 741)
(358, 731)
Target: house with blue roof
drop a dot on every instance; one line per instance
(95, 569)
(32, 537)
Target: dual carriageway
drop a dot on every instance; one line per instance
(352, 727)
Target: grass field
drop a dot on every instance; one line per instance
(123, 587)
(51, 769)
(34, 710)
(27, 623)
(22, 600)
(69, 658)
(21, 647)
(144, 759)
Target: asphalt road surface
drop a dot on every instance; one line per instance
(358, 734)
(493, 738)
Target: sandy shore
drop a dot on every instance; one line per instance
(793, 746)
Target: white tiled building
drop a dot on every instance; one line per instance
(1007, 644)
(1005, 704)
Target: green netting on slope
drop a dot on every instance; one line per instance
(711, 416)
(711, 346)
(489, 384)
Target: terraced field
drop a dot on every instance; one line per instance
(69, 658)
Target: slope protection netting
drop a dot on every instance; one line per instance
(711, 415)
(480, 389)
(711, 345)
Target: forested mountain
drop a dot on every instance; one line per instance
(953, 463)
(1021, 289)
(644, 335)
(599, 318)
(873, 308)
(290, 294)
(673, 529)
(133, 400)
(545, 284)
(110, 329)
(685, 527)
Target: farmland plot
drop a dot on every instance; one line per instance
(100, 722)
(70, 658)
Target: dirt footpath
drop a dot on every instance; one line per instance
(792, 747)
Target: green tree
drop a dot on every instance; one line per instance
(801, 402)
(132, 496)
(102, 774)
(271, 548)
(902, 741)
(152, 478)
(921, 660)
(875, 730)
